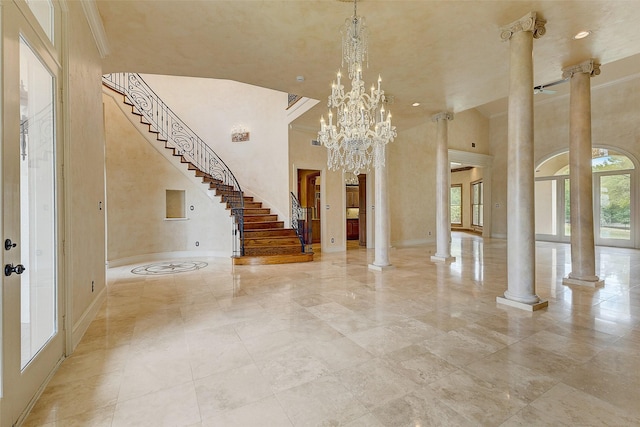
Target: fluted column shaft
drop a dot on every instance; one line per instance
(443, 189)
(521, 257)
(583, 258)
(381, 229)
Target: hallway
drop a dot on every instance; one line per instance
(333, 343)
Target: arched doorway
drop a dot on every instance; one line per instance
(613, 198)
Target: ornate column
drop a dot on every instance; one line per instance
(521, 256)
(443, 190)
(583, 258)
(381, 217)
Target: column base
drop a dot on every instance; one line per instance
(521, 305)
(445, 259)
(380, 267)
(581, 282)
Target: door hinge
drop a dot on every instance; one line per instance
(64, 244)
(64, 322)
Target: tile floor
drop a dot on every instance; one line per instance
(333, 343)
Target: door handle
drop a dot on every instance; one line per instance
(9, 269)
(8, 244)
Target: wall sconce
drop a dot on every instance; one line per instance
(239, 134)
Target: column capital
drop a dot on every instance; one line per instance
(444, 115)
(529, 22)
(590, 67)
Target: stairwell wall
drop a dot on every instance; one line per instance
(137, 179)
(213, 108)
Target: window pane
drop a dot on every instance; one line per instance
(456, 204)
(615, 206)
(43, 11)
(37, 205)
(476, 207)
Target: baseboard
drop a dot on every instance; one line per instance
(412, 242)
(81, 326)
(160, 256)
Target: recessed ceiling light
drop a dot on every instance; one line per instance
(299, 78)
(582, 34)
(415, 104)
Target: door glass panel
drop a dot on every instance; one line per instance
(37, 202)
(43, 11)
(545, 199)
(615, 206)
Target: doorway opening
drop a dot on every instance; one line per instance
(309, 197)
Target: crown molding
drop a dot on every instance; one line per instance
(94, 19)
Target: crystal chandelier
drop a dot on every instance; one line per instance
(363, 127)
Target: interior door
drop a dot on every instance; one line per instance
(32, 338)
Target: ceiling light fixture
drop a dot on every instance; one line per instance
(363, 127)
(582, 34)
(415, 104)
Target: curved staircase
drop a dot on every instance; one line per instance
(262, 238)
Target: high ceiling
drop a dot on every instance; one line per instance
(443, 54)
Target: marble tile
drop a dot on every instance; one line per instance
(292, 368)
(266, 412)
(333, 343)
(324, 401)
(510, 378)
(564, 405)
(176, 406)
(420, 407)
(339, 353)
(419, 365)
(477, 400)
(230, 390)
(101, 417)
(69, 399)
(374, 382)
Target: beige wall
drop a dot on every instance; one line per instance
(84, 169)
(615, 113)
(411, 177)
(137, 179)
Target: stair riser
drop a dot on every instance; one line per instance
(260, 218)
(263, 225)
(257, 211)
(266, 241)
(278, 232)
(273, 259)
(272, 251)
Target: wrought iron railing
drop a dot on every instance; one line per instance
(301, 223)
(180, 137)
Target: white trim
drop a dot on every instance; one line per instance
(97, 27)
(160, 256)
(412, 242)
(474, 159)
(87, 317)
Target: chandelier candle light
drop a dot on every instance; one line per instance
(363, 127)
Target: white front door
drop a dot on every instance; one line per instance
(32, 338)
